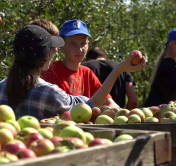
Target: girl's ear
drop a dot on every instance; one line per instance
(172, 44)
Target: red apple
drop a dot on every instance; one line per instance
(8, 126)
(28, 121)
(2, 23)
(13, 147)
(138, 57)
(25, 153)
(28, 139)
(95, 113)
(66, 116)
(97, 141)
(109, 112)
(55, 140)
(81, 113)
(159, 118)
(6, 113)
(20, 136)
(153, 109)
(42, 147)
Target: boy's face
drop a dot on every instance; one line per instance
(75, 48)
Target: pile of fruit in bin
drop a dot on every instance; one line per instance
(83, 114)
(24, 138)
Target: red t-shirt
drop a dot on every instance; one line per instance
(82, 82)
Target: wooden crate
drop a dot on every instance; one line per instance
(148, 148)
(166, 127)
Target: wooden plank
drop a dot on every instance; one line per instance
(162, 150)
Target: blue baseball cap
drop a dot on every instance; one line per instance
(171, 36)
(74, 27)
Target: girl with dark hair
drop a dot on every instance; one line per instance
(28, 94)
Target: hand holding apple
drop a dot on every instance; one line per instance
(138, 57)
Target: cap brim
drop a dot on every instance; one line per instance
(75, 32)
(57, 41)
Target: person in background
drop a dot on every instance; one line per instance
(163, 84)
(47, 25)
(27, 94)
(96, 60)
(68, 73)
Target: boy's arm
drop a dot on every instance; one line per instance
(132, 98)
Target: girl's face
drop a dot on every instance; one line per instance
(75, 48)
(50, 57)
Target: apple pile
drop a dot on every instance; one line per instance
(83, 114)
(24, 138)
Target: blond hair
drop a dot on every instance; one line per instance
(47, 25)
(163, 54)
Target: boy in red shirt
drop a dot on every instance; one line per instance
(68, 73)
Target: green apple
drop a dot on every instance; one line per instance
(165, 107)
(104, 119)
(28, 121)
(147, 112)
(58, 127)
(45, 133)
(4, 160)
(122, 112)
(108, 141)
(5, 136)
(168, 114)
(81, 113)
(134, 119)
(123, 137)
(14, 124)
(60, 149)
(120, 120)
(9, 156)
(138, 112)
(6, 113)
(151, 119)
(89, 137)
(73, 131)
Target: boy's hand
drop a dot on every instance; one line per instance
(126, 64)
